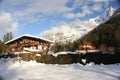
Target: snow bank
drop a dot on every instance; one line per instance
(58, 53)
(37, 71)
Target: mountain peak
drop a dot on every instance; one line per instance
(76, 29)
(111, 11)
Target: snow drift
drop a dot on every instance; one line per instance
(37, 71)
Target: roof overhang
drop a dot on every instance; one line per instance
(31, 36)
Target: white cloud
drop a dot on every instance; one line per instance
(24, 9)
(86, 10)
(96, 7)
(7, 24)
(100, 0)
(69, 15)
(87, 7)
(28, 9)
(78, 3)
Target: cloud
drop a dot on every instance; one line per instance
(96, 7)
(86, 7)
(24, 9)
(100, 0)
(69, 15)
(7, 24)
(29, 10)
(45, 7)
(86, 10)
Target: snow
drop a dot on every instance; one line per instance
(37, 54)
(84, 51)
(21, 52)
(28, 35)
(32, 50)
(84, 61)
(58, 53)
(69, 32)
(36, 71)
(64, 52)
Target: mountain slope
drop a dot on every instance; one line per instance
(107, 34)
(75, 30)
(69, 32)
(105, 16)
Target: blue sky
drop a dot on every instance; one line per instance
(36, 16)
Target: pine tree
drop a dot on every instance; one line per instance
(3, 47)
(8, 36)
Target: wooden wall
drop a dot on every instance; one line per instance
(19, 44)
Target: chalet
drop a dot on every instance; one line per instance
(86, 47)
(28, 43)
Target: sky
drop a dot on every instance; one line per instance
(36, 16)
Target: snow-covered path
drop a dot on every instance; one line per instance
(37, 71)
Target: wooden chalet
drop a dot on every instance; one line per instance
(28, 43)
(86, 47)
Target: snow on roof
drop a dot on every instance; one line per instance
(28, 35)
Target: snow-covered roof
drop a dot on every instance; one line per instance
(28, 35)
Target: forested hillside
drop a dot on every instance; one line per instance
(106, 35)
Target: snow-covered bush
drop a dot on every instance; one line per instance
(48, 59)
(68, 58)
(60, 59)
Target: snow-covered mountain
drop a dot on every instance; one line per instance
(73, 31)
(117, 12)
(105, 16)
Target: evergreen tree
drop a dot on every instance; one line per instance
(107, 33)
(8, 36)
(3, 47)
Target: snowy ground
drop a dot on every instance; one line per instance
(37, 71)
